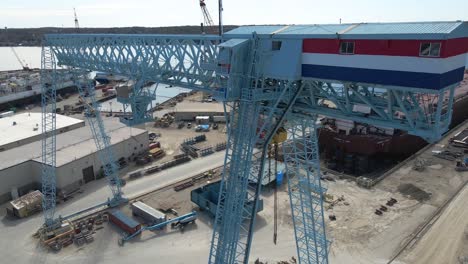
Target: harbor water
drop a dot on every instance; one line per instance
(31, 56)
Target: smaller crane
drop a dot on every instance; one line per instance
(77, 25)
(24, 65)
(206, 17)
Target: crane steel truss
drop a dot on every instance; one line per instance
(306, 193)
(101, 139)
(233, 72)
(206, 16)
(49, 80)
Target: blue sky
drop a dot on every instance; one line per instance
(117, 13)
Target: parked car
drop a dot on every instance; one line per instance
(153, 135)
(202, 128)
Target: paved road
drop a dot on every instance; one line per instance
(99, 192)
(446, 241)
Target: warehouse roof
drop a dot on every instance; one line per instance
(406, 30)
(28, 125)
(71, 145)
(199, 107)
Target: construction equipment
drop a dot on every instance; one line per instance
(208, 21)
(180, 220)
(77, 25)
(23, 64)
(269, 81)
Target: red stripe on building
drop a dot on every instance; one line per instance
(455, 47)
(410, 48)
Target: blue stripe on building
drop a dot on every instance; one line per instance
(384, 77)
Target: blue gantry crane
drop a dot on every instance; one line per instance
(400, 76)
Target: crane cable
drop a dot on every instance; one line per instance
(275, 188)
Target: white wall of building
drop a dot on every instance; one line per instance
(16, 176)
(69, 175)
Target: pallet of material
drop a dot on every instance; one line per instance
(26, 205)
(182, 186)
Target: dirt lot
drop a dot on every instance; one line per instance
(447, 239)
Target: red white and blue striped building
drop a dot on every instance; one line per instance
(425, 55)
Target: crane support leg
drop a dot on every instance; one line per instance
(137, 103)
(49, 80)
(301, 155)
(230, 227)
(101, 139)
(251, 123)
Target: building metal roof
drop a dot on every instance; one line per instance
(199, 107)
(406, 30)
(27, 125)
(71, 145)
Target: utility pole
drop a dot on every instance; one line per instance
(220, 10)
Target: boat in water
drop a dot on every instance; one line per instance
(19, 87)
(106, 78)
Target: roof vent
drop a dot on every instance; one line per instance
(14, 123)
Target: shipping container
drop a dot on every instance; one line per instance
(124, 222)
(202, 119)
(26, 205)
(148, 213)
(219, 119)
(206, 198)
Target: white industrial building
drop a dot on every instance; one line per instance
(188, 111)
(77, 158)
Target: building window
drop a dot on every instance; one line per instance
(347, 47)
(429, 49)
(276, 45)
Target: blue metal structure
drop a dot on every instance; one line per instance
(192, 216)
(265, 82)
(49, 80)
(101, 139)
(305, 190)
